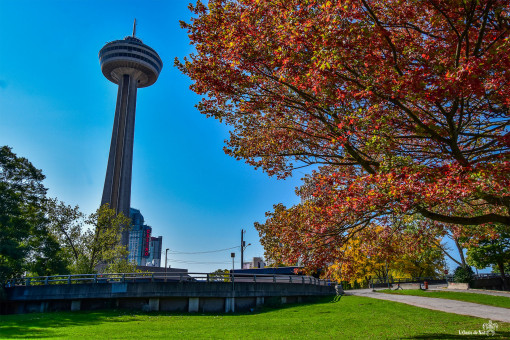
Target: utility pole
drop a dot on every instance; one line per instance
(242, 247)
(166, 259)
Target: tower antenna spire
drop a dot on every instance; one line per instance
(134, 28)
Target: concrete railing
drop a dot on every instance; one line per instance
(163, 277)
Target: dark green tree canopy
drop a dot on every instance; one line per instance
(25, 242)
(492, 251)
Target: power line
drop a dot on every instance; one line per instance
(197, 262)
(201, 252)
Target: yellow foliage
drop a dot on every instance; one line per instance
(375, 252)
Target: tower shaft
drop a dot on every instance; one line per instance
(117, 185)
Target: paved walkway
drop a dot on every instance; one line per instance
(444, 305)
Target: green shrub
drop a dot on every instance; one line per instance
(463, 274)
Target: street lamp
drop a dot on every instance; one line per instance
(232, 303)
(243, 247)
(233, 255)
(166, 259)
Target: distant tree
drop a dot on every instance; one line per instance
(404, 248)
(491, 251)
(495, 268)
(92, 249)
(380, 252)
(220, 275)
(96, 248)
(428, 262)
(25, 241)
(47, 257)
(102, 250)
(368, 254)
(66, 224)
(463, 274)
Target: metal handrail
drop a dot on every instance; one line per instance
(406, 280)
(163, 277)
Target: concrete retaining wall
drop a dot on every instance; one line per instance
(407, 285)
(157, 296)
(495, 283)
(458, 285)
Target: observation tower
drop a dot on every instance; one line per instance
(130, 64)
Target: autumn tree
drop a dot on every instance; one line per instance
(401, 106)
(402, 250)
(369, 254)
(428, 262)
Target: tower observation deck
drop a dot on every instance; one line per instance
(130, 64)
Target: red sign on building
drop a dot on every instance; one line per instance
(146, 242)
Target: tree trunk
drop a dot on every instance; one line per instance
(461, 252)
(94, 250)
(501, 267)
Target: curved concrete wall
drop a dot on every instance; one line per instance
(158, 296)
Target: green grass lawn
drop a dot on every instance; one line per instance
(484, 299)
(352, 317)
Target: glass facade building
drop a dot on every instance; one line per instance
(155, 246)
(139, 239)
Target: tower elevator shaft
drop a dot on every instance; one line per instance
(117, 186)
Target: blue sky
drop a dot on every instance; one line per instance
(57, 109)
